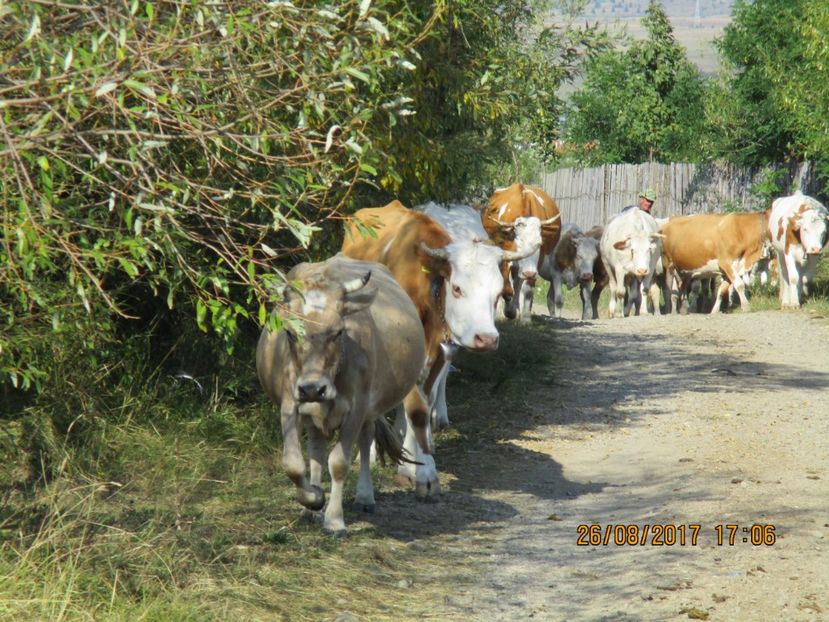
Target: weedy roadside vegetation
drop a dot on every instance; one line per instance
(175, 507)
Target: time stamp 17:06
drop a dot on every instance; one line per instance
(664, 534)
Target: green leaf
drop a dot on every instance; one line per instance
(360, 75)
(142, 88)
(201, 315)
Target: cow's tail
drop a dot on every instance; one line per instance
(388, 444)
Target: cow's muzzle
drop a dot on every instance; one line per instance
(529, 274)
(485, 342)
(586, 277)
(813, 251)
(314, 390)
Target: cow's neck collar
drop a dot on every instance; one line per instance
(434, 287)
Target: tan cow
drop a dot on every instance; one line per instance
(707, 245)
(505, 206)
(359, 354)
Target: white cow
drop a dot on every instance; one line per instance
(463, 224)
(797, 229)
(574, 261)
(631, 248)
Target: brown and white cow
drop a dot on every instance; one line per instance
(575, 261)
(359, 353)
(454, 283)
(706, 245)
(505, 206)
(797, 226)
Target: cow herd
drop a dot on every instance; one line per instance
(375, 327)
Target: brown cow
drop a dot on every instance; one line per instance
(708, 245)
(454, 284)
(505, 205)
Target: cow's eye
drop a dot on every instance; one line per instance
(337, 335)
(456, 291)
(291, 336)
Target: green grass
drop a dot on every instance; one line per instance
(196, 527)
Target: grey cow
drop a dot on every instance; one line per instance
(359, 354)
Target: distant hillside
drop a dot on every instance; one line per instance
(696, 35)
(674, 8)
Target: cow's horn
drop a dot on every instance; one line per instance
(437, 253)
(516, 255)
(550, 220)
(502, 224)
(354, 284)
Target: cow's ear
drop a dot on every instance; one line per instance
(359, 300)
(794, 223)
(434, 261)
(622, 244)
(357, 295)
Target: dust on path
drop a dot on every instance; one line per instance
(667, 421)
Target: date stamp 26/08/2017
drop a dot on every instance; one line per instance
(665, 534)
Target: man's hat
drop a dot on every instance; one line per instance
(649, 194)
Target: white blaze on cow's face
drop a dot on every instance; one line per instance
(811, 226)
(643, 251)
(527, 237)
(471, 291)
(587, 251)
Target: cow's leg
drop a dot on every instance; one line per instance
(617, 291)
(316, 455)
(808, 273)
(789, 282)
(527, 293)
(511, 304)
(364, 498)
(555, 298)
(440, 413)
(676, 283)
(633, 289)
(586, 307)
(654, 290)
(722, 291)
(339, 463)
(740, 287)
(414, 420)
(594, 299)
(310, 496)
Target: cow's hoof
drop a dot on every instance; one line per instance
(368, 508)
(439, 424)
(404, 481)
(427, 491)
(313, 498)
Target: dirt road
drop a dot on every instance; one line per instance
(693, 421)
